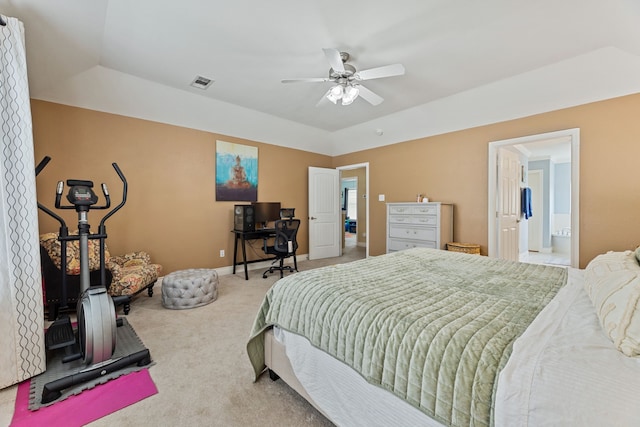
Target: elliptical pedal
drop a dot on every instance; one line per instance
(60, 334)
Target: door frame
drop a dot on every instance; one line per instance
(366, 195)
(574, 136)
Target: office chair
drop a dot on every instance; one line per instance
(284, 245)
(287, 213)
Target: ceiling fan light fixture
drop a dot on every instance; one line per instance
(341, 91)
(350, 95)
(335, 93)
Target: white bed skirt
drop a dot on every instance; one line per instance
(341, 393)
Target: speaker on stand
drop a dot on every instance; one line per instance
(244, 218)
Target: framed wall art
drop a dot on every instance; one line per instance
(236, 172)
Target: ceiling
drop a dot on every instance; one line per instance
(558, 150)
(468, 63)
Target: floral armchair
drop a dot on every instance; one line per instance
(129, 274)
(132, 274)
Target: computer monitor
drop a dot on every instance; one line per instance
(266, 212)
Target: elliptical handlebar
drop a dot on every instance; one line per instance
(106, 192)
(43, 208)
(42, 164)
(59, 188)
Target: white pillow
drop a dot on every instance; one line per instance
(612, 281)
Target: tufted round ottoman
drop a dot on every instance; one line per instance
(189, 288)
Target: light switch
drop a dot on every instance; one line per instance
(381, 197)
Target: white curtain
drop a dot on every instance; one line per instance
(22, 353)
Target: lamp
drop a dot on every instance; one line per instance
(347, 93)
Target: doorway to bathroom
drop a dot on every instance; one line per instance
(548, 169)
(556, 218)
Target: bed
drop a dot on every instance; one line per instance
(433, 338)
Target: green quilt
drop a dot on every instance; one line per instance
(433, 327)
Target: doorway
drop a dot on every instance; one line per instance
(527, 145)
(354, 183)
(349, 204)
(549, 179)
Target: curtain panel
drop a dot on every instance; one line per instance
(21, 301)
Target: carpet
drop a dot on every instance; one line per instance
(88, 406)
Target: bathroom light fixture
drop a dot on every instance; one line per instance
(343, 91)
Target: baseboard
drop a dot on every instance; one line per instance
(223, 271)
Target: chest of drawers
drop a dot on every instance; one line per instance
(410, 225)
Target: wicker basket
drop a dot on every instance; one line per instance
(467, 248)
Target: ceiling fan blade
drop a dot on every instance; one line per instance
(334, 58)
(306, 80)
(369, 96)
(379, 72)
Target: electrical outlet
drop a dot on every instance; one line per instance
(221, 253)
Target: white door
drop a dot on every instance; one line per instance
(508, 205)
(535, 222)
(324, 213)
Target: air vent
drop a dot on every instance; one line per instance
(201, 82)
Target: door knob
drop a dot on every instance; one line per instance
(313, 217)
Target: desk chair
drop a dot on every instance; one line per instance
(284, 245)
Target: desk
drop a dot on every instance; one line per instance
(243, 236)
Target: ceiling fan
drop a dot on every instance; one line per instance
(347, 79)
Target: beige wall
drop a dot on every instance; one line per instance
(171, 210)
(453, 168)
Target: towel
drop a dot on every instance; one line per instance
(526, 203)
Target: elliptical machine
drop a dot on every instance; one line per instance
(94, 341)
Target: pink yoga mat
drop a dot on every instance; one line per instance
(87, 406)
